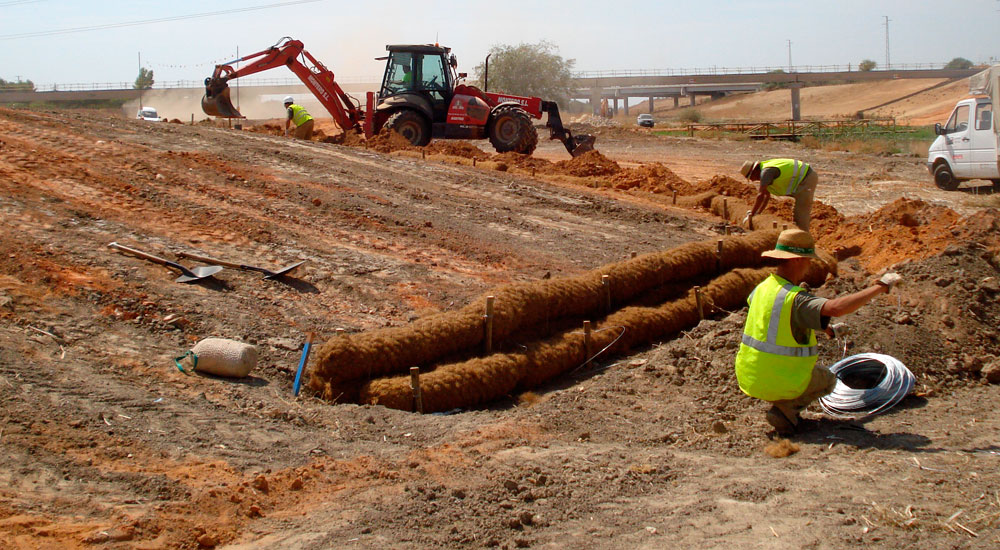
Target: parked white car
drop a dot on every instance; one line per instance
(149, 113)
(645, 120)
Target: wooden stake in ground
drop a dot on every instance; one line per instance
(718, 255)
(488, 337)
(697, 299)
(586, 340)
(606, 283)
(418, 398)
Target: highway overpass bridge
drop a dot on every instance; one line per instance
(614, 86)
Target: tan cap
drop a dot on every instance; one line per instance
(793, 243)
(747, 167)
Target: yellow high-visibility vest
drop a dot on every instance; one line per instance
(792, 174)
(771, 365)
(299, 114)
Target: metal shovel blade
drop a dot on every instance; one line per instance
(268, 274)
(197, 273)
(280, 272)
(187, 275)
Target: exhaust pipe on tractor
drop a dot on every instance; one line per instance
(216, 100)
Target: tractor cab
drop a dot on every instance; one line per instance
(419, 77)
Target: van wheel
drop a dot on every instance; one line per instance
(944, 179)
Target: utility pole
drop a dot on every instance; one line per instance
(140, 87)
(789, 55)
(886, 41)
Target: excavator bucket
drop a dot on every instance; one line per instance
(219, 104)
(582, 144)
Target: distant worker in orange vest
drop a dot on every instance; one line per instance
(784, 178)
(298, 115)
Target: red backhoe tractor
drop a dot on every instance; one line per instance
(420, 98)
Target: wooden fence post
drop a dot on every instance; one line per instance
(586, 340)
(718, 255)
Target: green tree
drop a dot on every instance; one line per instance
(774, 85)
(19, 86)
(959, 63)
(534, 70)
(145, 79)
(867, 65)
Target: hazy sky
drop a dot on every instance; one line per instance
(346, 36)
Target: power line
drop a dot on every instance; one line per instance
(16, 2)
(150, 21)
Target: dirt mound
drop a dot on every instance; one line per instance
(524, 162)
(654, 178)
(462, 149)
(904, 229)
(591, 163)
(268, 128)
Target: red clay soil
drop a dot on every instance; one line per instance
(591, 163)
(454, 148)
(907, 230)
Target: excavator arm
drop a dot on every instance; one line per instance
(287, 52)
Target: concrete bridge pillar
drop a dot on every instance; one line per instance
(650, 105)
(677, 101)
(796, 102)
(691, 98)
(625, 103)
(595, 99)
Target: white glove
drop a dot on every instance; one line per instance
(840, 330)
(890, 280)
(748, 217)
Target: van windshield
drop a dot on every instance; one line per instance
(959, 120)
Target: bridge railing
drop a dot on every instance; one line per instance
(749, 70)
(174, 84)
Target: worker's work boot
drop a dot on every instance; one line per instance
(783, 423)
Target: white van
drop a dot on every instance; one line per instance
(148, 113)
(967, 145)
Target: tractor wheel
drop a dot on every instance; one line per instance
(510, 129)
(944, 178)
(411, 125)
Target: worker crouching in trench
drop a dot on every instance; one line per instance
(777, 357)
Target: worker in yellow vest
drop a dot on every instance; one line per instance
(782, 178)
(298, 115)
(777, 357)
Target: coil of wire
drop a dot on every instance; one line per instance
(874, 384)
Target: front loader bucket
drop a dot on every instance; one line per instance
(582, 144)
(219, 105)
